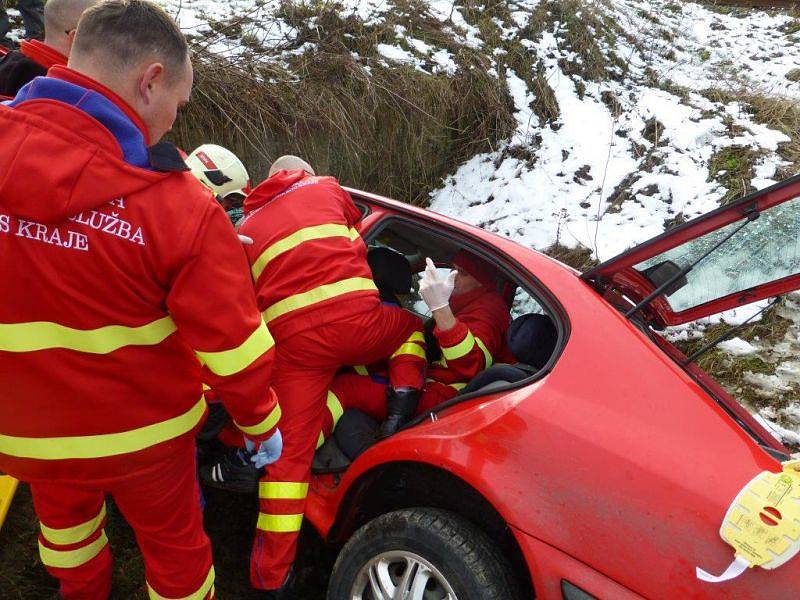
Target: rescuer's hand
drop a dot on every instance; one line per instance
(268, 451)
(434, 291)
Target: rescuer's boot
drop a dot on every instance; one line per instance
(231, 470)
(400, 407)
(284, 592)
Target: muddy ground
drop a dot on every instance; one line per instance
(230, 521)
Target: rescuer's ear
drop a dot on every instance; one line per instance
(152, 76)
(70, 39)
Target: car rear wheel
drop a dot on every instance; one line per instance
(421, 554)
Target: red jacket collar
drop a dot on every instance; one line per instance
(42, 54)
(67, 74)
(272, 187)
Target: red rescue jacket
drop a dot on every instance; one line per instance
(477, 341)
(308, 261)
(19, 67)
(123, 286)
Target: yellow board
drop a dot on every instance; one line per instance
(763, 522)
(8, 485)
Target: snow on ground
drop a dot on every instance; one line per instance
(548, 203)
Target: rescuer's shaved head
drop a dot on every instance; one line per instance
(63, 15)
(125, 33)
(134, 48)
(289, 162)
(61, 19)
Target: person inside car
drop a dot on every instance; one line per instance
(470, 322)
(34, 58)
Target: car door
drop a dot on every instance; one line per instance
(740, 253)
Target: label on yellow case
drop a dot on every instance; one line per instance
(8, 485)
(763, 522)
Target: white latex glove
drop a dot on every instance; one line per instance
(247, 241)
(268, 451)
(436, 292)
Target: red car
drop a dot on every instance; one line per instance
(607, 473)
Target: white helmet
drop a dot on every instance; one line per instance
(220, 170)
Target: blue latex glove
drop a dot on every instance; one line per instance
(268, 451)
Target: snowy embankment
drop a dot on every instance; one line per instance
(631, 116)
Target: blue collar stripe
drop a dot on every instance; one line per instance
(97, 106)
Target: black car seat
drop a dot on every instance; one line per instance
(532, 340)
(391, 273)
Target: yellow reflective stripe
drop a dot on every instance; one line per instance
(206, 387)
(335, 408)
(73, 535)
(261, 428)
(361, 370)
(282, 490)
(279, 523)
(69, 559)
(486, 354)
(410, 348)
(318, 294)
(205, 590)
(44, 335)
(316, 232)
(463, 348)
(320, 440)
(99, 446)
(230, 362)
(417, 336)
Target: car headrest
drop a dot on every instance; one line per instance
(390, 270)
(532, 339)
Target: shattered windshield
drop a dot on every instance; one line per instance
(765, 250)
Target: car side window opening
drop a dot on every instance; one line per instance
(532, 340)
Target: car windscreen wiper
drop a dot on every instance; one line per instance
(712, 344)
(749, 218)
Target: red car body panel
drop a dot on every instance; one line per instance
(616, 467)
(550, 566)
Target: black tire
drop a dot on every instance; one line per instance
(467, 559)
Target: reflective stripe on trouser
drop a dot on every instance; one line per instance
(407, 363)
(335, 411)
(305, 366)
(283, 492)
(161, 503)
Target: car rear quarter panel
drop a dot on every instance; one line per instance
(626, 464)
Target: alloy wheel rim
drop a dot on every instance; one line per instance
(400, 575)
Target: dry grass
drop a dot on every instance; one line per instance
(393, 130)
(731, 371)
(781, 114)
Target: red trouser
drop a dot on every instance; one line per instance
(306, 364)
(361, 392)
(162, 505)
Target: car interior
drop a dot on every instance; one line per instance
(396, 252)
